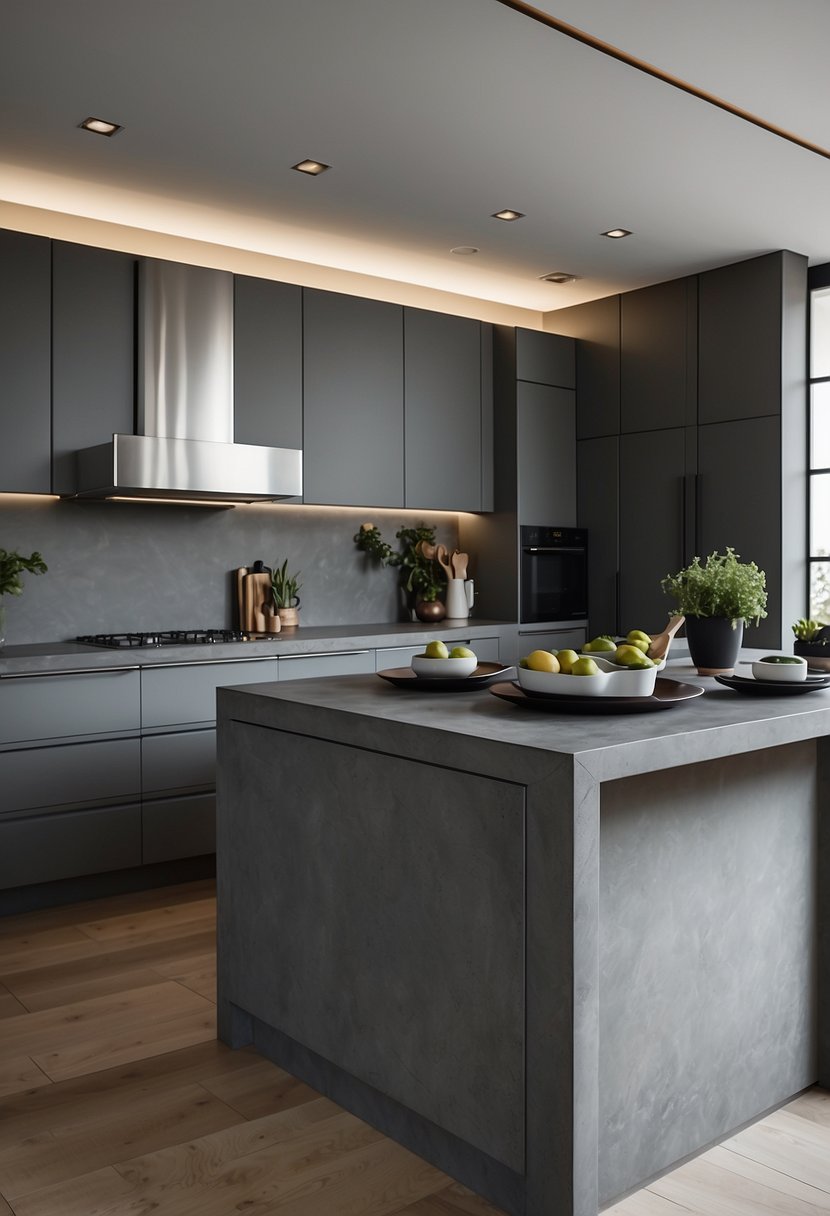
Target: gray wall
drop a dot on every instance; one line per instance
(115, 567)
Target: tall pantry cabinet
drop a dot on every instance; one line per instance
(691, 420)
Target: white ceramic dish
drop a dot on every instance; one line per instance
(443, 669)
(604, 656)
(612, 681)
(790, 673)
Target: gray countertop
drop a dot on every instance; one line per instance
(476, 728)
(70, 656)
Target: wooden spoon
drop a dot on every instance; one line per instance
(660, 642)
(459, 563)
(444, 561)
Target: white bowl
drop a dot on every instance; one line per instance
(605, 657)
(793, 671)
(611, 681)
(443, 669)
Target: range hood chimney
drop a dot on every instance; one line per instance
(184, 447)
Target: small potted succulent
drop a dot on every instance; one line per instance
(812, 642)
(12, 565)
(718, 597)
(286, 600)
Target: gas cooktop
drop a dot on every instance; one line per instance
(170, 637)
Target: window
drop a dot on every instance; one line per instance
(819, 456)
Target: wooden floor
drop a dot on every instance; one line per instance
(116, 1098)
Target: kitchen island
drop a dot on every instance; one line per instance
(554, 954)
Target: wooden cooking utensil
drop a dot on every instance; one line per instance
(459, 563)
(660, 642)
(444, 561)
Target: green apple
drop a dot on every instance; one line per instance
(436, 650)
(585, 667)
(462, 652)
(566, 658)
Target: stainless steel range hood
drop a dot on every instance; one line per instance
(184, 447)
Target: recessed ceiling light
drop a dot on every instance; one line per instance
(616, 233)
(312, 167)
(558, 276)
(100, 126)
(508, 214)
(465, 249)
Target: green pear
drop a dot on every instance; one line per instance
(585, 667)
(436, 650)
(566, 658)
(462, 652)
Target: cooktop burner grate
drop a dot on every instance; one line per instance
(170, 637)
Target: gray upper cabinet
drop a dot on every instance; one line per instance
(353, 427)
(545, 358)
(546, 454)
(598, 511)
(25, 390)
(93, 352)
(597, 326)
(741, 315)
(442, 411)
(652, 524)
(658, 357)
(268, 363)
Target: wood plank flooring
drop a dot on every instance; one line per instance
(117, 1100)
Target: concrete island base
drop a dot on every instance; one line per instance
(553, 955)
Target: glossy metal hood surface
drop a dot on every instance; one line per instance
(185, 448)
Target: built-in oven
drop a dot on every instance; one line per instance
(554, 574)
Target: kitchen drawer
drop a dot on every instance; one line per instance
(557, 639)
(70, 774)
(183, 760)
(186, 692)
(178, 827)
(42, 848)
(79, 703)
(346, 663)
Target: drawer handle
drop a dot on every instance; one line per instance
(72, 671)
(321, 654)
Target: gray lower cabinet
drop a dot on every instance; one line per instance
(58, 705)
(69, 774)
(486, 650)
(345, 663)
(173, 828)
(179, 693)
(178, 761)
(515, 645)
(44, 848)
(25, 357)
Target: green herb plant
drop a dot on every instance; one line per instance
(419, 575)
(721, 586)
(12, 565)
(285, 586)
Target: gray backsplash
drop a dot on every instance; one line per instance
(115, 567)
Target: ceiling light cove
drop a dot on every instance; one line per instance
(312, 167)
(100, 126)
(558, 276)
(508, 214)
(616, 233)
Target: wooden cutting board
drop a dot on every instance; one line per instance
(255, 603)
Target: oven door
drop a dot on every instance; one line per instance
(554, 584)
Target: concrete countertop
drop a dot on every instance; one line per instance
(505, 739)
(50, 657)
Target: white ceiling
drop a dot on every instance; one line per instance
(433, 114)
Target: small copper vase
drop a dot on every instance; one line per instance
(430, 610)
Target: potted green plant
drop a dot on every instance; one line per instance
(421, 579)
(12, 565)
(718, 597)
(812, 642)
(286, 600)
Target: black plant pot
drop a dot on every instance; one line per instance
(714, 644)
(817, 652)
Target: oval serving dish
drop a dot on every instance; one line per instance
(612, 681)
(786, 667)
